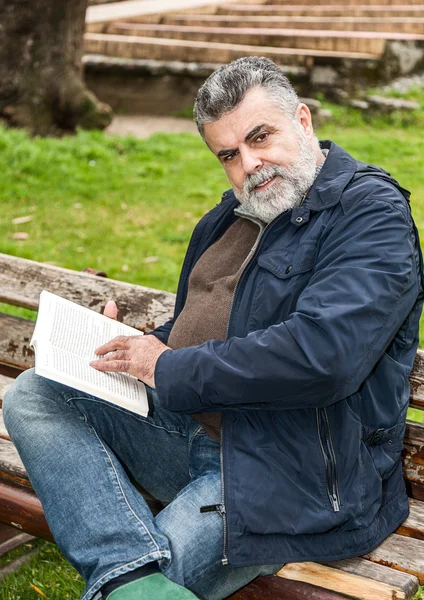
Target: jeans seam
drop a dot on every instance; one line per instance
(106, 577)
(123, 494)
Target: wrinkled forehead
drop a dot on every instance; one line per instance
(257, 109)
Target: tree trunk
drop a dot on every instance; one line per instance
(41, 83)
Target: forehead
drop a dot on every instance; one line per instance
(257, 108)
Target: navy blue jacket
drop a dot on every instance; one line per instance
(312, 379)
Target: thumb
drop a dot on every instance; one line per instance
(111, 310)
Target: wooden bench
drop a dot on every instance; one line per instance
(392, 571)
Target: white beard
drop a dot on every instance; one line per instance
(287, 191)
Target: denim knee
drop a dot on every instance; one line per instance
(18, 405)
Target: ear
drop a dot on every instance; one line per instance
(303, 116)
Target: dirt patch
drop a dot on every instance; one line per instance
(143, 126)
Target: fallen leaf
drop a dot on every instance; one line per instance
(20, 220)
(37, 589)
(20, 235)
(151, 259)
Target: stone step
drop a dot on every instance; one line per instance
(321, 10)
(104, 13)
(386, 24)
(329, 41)
(330, 2)
(138, 47)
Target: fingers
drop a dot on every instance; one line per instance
(114, 366)
(111, 310)
(119, 343)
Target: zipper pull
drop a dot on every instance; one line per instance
(210, 508)
(220, 508)
(336, 506)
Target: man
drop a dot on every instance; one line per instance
(280, 387)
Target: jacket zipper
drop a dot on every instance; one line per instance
(220, 508)
(327, 448)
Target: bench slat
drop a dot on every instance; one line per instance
(10, 538)
(5, 383)
(414, 524)
(359, 566)
(276, 588)
(413, 459)
(416, 380)
(22, 509)
(402, 553)
(12, 469)
(22, 281)
(341, 582)
(3, 433)
(14, 342)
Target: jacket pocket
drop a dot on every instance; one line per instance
(329, 456)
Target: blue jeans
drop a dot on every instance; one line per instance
(82, 454)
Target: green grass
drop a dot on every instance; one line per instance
(112, 203)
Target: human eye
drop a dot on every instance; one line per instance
(229, 157)
(261, 137)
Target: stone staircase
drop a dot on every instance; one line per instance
(359, 43)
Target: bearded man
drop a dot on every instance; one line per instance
(280, 387)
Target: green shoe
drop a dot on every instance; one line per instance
(151, 587)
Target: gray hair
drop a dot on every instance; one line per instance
(225, 89)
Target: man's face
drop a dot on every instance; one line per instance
(267, 156)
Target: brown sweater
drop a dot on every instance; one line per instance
(210, 291)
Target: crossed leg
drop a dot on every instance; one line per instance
(82, 454)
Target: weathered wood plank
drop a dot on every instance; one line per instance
(5, 383)
(401, 553)
(340, 581)
(414, 524)
(15, 340)
(416, 380)
(11, 538)
(276, 588)
(413, 459)
(12, 470)
(22, 281)
(3, 432)
(22, 509)
(365, 568)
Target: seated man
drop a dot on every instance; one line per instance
(280, 387)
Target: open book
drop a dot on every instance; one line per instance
(64, 340)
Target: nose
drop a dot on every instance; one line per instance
(250, 161)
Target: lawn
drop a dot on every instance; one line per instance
(128, 207)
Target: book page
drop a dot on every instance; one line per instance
(65, 338)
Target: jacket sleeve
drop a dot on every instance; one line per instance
(363, 286)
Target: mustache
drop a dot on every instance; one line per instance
(258, 178)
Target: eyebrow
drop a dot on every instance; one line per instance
(252, 133)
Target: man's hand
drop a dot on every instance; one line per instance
(135, 354)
